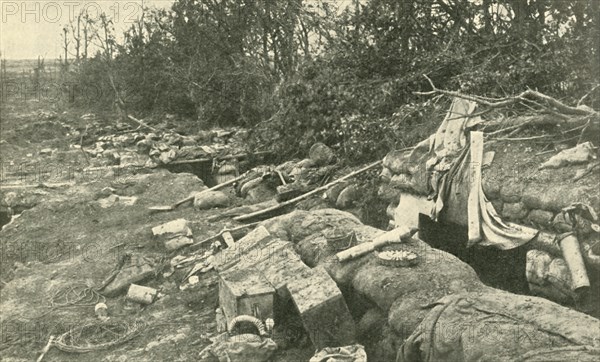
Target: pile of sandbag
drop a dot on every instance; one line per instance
(405, 295)
(502, 326)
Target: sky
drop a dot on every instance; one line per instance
(32, 28)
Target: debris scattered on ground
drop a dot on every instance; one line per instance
(101, 311)
(174, 234)
(117, 200)
(284, 275)
(131, 269)
(353, 353)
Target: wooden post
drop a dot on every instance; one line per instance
(473, 209)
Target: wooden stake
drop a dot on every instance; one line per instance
(473, 209)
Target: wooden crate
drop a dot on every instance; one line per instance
(322, 308)
(231, 256)
(245, 292)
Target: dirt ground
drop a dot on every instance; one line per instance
(65, 239)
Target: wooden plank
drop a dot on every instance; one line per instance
(322, 308)
(228, 239)
(226, 258)
(473, 209)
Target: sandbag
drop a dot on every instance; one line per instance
(321, 154)
(501, 326)
(299, 224)
(240, 348)
(210, 199)
(353, 353)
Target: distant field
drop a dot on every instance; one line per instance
(19, 66)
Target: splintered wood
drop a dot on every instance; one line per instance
(260, 271)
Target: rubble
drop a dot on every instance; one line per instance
(135, 269)
(288, 273)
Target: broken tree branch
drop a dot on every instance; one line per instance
(587, 95)
(141, 123)
(526, 96)
(306, 195)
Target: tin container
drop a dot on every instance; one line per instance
(141, 294)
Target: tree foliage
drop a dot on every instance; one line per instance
(298, 72)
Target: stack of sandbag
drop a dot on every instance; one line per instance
(401, 298)
(501, 326)
(398, 293)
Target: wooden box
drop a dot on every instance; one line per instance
(323, 310)
(245, 292)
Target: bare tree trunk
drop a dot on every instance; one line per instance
(66, 46)
(78, 38)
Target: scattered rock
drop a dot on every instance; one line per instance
(46, 151)
(188, 141)
(210, 199)
(321, 154)
(116, 199)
